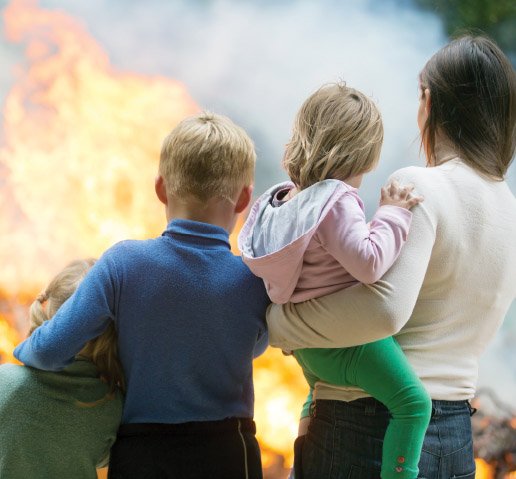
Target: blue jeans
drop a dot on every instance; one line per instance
(344, 441)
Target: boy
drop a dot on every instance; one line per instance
(189, 317)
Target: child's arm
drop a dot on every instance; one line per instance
(84, 316)
(367, 252)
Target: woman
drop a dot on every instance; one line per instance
(451, 287)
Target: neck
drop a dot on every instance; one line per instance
(444, 150)
(216, 211)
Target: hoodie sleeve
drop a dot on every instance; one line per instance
(365, 251)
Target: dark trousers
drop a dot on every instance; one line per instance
(344, 441)
(203, 450)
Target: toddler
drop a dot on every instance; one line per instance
(309, 237)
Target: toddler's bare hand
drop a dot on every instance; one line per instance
(402, 196)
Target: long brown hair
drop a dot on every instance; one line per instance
(101, 351)
(472, 104)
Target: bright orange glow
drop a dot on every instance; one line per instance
(9, 338)
(81, 148)
(484, 470)
(280, 391)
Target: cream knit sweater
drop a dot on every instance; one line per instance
(443, 299)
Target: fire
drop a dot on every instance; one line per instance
(484, 470)
(78, 157)
(80, 149)
(8, 340)
(280, 392)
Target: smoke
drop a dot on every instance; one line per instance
(256, 61)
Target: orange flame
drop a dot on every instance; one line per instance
(8, 340)
(484, 470)
(77, 164)
(81, 148)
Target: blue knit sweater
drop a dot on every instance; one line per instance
(190, 317)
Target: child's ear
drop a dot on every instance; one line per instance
(161, 189)
(244, 199)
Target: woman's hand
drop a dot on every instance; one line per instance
(396, 195)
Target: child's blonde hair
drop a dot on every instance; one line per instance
(103, 350)
(207, 156)
(338, 133)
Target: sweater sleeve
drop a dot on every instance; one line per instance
(362, 313)
(84, 316)
(261, 344)
(366, 252)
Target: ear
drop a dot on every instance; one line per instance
(428, 103)
(161, 189)
(244, 199)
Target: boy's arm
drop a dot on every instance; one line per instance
(362, 313)
(261, 344)
(366, 252)
(84, 316)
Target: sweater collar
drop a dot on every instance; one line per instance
(81, 367)
(197, 233)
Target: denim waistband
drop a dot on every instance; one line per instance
(187, 428)
(370, 406)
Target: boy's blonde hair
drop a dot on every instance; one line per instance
(207, 156)
(103, 350)
(338, 133)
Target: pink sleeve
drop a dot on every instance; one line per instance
(366, 252)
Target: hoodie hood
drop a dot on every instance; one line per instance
(275, 236)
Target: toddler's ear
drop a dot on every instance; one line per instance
(161, 189)
(244, 199)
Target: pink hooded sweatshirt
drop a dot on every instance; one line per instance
(319, 242)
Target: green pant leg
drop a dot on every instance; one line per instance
(382, 370)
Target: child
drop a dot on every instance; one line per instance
(57, 425)
(309, 238)
(190, 317)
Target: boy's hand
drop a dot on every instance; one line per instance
(396, 195)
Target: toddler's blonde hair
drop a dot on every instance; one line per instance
(207, 156)
(337, 133)
(101, 351)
